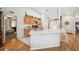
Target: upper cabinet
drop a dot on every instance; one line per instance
(32, 20)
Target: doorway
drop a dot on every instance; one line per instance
(10, 27)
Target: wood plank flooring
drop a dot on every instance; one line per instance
(14, 44)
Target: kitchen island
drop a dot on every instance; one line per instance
(45, 39)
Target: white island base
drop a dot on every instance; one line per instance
(45, 39)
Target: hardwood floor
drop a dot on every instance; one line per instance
(14, 44)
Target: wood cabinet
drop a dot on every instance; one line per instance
(28, 20)
(26, 32)
(31, 20)
(40, 22)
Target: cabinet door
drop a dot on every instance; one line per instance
(27, 20)
(26, 32)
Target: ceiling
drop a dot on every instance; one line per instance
(51, 12)
(48, 12)
(69, 11)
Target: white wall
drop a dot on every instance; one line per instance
(20, 19)
(70, 28)
(20, 13)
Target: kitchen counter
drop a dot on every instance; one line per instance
(45, 39)
(44, 32)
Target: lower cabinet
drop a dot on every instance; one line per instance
(26, 32)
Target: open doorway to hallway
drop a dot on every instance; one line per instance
(10, 27)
